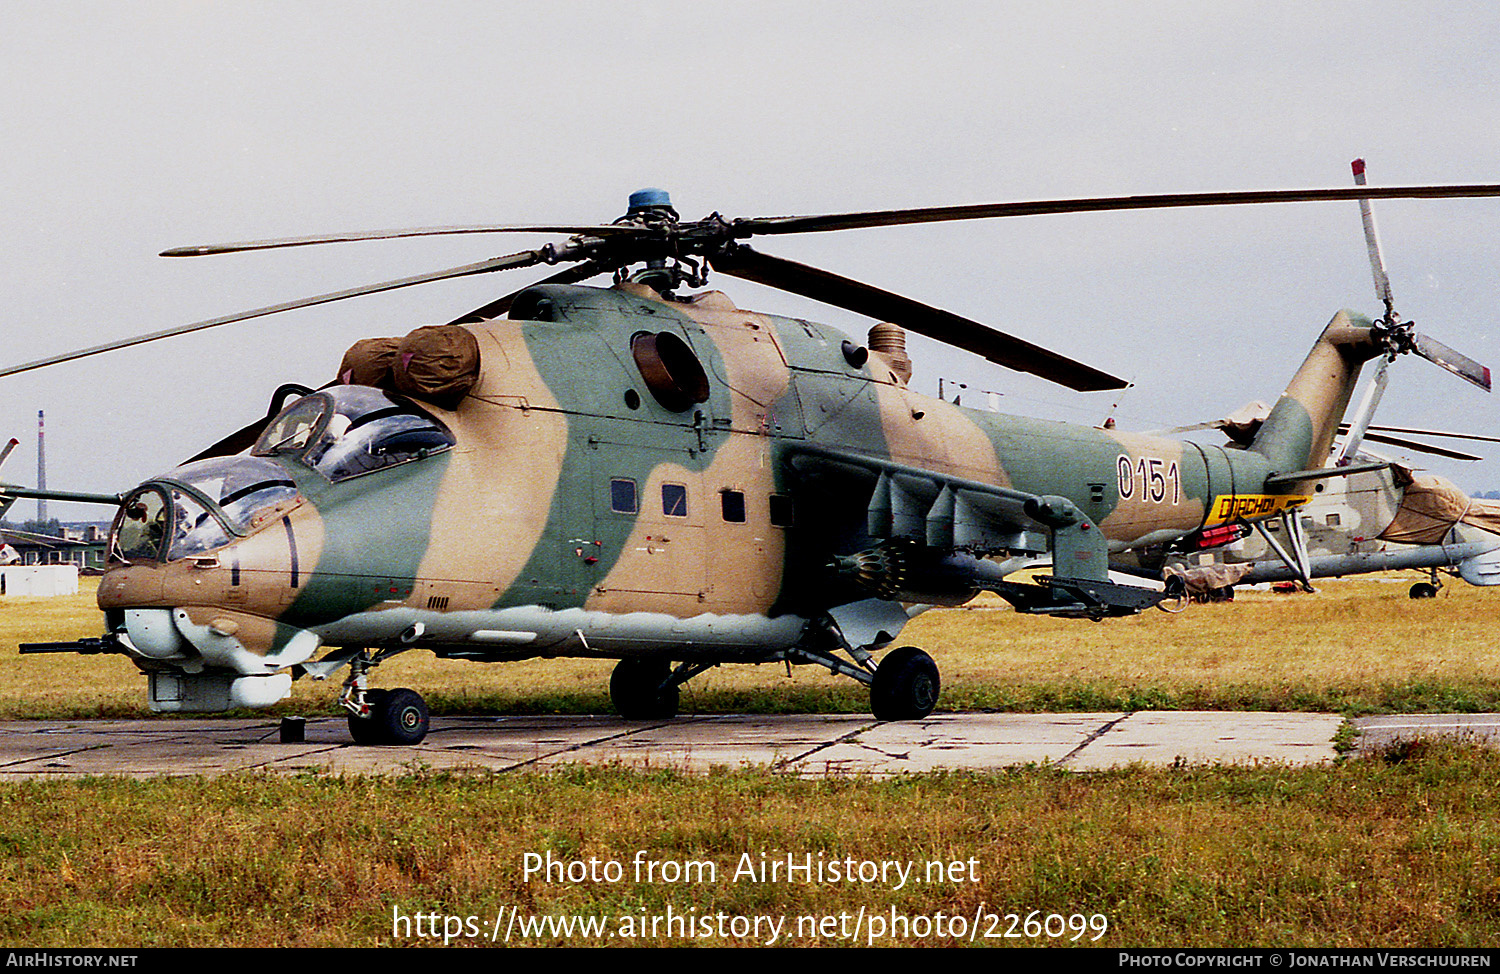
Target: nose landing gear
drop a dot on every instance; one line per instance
(397, 717)
(382, 717)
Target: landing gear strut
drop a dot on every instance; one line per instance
(904, 686)
(382, 717)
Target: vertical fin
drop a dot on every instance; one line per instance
(1300, 430)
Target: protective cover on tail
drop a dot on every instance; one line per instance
(1432, 506)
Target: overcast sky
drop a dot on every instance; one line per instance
(133, 127)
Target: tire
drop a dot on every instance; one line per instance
(906, 685)
(1423, 590)
(364, 729)
(397, 718)
(402, 718)
(635, 689)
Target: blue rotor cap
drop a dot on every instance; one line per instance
(650, 197)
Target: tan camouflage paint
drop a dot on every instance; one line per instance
(484, 527)
(202, 583)
(937, 435)
(1138, 515)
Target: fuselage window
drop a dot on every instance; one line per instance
(781, 510)
(733, 504)
(674, 500)
(622, 499)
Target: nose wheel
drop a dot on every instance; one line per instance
(397, 717)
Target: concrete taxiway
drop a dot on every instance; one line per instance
(1376, 734)
(792, 744)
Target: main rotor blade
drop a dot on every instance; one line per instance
(616, 229)
(499, 306)
(749, 226)
(1458, 363)
(842, 292)
(1190, 428)
(523, 259)
(1427, 432)
(1423, 447)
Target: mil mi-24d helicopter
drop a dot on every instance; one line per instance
(662, 478)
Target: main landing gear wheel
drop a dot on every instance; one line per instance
(1423, 590)
(906, 685)
(635, 688)
(397, 717)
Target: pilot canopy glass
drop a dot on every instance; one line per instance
(199, 507)
(347, 431)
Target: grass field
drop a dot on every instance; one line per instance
(1357, 647)
(1363, 853)
(1396, 852)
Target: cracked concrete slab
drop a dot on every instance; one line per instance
(1211, 737)
(802, 744)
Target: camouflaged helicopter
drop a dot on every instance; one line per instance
(662, 478)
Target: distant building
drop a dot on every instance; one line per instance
(83, 547)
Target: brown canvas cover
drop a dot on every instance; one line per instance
(1431, 506)
(370, 362)
(1242, 424)
(437, 364)
(1202, 579)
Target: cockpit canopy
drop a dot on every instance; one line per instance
(341, 432)
(347, 431)
(199, 507)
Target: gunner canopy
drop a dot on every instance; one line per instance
(198, 507)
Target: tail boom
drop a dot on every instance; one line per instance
(1299, 432)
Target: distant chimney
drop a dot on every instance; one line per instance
(41, 465)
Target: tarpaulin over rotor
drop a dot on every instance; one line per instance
(436, 363)
(369, 362)
(1202, 579)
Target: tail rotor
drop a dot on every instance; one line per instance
(1398, 337)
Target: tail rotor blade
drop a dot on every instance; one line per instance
(1456, 362)
(1372, 242)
